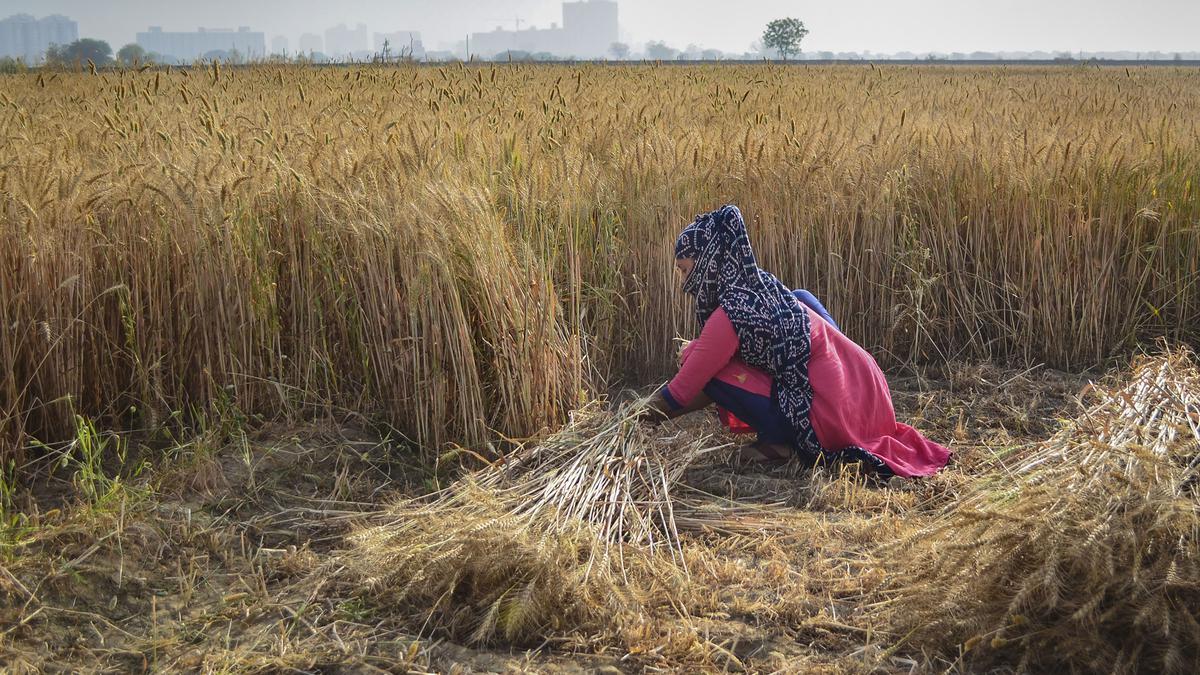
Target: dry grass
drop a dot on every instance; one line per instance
(1084, 557)
(468, 252)
(228, 560)
(178, 576)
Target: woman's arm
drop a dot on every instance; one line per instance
(706, 356)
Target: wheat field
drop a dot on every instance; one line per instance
(467, 252)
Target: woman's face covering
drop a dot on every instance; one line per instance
(683, 267)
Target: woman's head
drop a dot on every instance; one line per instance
(695, 238)
(712, 253)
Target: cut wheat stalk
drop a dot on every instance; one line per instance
(566, 520)
(1089, 557)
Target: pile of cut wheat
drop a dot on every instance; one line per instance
(1087, 556)
(562, 535)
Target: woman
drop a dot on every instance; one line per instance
(780, 365)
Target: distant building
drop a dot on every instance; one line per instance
(279, 45)
(195, 45)
(589, 29)
(311, 43)
(341, 41)
(403, 42)
(591, 26)
(24, 37)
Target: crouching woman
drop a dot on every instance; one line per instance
(775, 361)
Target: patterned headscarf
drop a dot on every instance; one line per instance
(774, 331)
(719, 244)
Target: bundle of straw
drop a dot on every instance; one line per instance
(558, 535)
(1086, 557)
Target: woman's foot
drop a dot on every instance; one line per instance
(765, 454)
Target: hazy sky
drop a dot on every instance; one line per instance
(835, 25)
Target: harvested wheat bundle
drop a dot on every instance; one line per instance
(560, 535)
(1089, 558)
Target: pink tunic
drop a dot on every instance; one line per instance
(852, 405)
(714, 355)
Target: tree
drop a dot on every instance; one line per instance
(81, 51)
(619, 50)
(659, 51)
(784, 36)
(132, 54)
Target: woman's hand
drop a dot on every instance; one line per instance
(656, 411)
(683, 345)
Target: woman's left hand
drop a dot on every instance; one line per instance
(655, 412)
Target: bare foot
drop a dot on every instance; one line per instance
(772, 454)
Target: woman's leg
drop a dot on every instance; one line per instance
(815, 305)
(775, 434)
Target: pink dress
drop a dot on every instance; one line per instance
(852, 405)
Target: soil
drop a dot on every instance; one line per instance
(221, 559)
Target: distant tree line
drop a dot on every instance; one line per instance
(98, 53)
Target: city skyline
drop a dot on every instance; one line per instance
(920, 26)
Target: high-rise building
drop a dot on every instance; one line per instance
(401, 43)
(279, 45)
(589, 29)
(311, 43)
(188, 46)
(342, 42)
(24, 37)
(591, 25)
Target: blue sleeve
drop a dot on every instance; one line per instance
(666, 394)
(815, 305)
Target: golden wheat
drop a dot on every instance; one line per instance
(467, 252)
